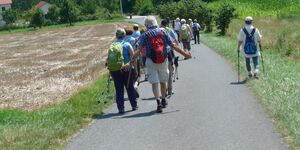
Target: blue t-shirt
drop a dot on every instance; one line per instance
(153, 31)
(136, 34)
(126, 49)
(130, 40)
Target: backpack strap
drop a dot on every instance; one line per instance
(252, 32)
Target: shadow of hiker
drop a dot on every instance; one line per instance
(239, 83)
(148, 99)
(148, 114)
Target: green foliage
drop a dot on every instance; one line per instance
(38, 19)
(224, 16)
(111, 5)
(144, 7)
(53, 14)
(9, 16)
(89, 7)
(193, 9)
(68, 12)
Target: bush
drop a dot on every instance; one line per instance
(224, 16)
(38, 19)
(89, 7)
(53, 14)
(68, 12)
(144, 7)
(9, 16)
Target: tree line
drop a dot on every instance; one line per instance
(70, 11)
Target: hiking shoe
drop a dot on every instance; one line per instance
(159, 107)
(256, 76)
(121, 111)
(250, 75)
(164, 103)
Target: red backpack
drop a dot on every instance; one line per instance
(158, 52)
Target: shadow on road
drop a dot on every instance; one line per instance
(239, 82)
(148, 99)
(148, 114)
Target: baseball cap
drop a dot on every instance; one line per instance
(249, 18)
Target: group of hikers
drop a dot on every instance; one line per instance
(152, 49)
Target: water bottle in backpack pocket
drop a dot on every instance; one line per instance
(250, 46)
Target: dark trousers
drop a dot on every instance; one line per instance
(120, 80)
(255, 63)
(197, 37)
(178, 36)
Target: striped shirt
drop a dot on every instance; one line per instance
(153, 32)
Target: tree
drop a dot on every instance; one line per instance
(89, 7)
(53, 14)
(224, 16)
(144, 7)
(9, 16)
(38, 19)
(68, 12)
(111, 5)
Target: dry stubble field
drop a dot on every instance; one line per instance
(46, 67)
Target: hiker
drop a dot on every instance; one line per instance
(196, 31)
(119, 64)
(171, 54)
(177, 26)
(136, 33)
(250, 39)
(190, 23)
(143, 55)
(185, 35)
(156, 40)
(128, 38)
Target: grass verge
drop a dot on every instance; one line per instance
(48, 128)
(278, 91)
(82, 23)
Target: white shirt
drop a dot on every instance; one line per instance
(177, 26)
(257, 37)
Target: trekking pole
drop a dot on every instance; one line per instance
(262, 60)
(238, 66)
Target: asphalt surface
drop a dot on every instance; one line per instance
(206, 112)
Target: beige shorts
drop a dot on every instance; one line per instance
(157, 73)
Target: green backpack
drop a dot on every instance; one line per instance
(115, 59)
(184, 32)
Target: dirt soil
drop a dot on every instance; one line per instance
(48, 66)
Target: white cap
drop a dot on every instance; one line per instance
(183, 21)
(249, 18)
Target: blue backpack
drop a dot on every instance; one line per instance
(250, 46)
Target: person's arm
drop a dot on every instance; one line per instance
(186, 54)
(240, 40)
(239, 45)
(127, 66)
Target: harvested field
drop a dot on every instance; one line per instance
(46, 67)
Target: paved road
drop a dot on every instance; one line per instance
(206, 112)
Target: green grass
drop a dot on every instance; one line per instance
(48, 128)
(276, 8)
(82, 23)
(278, 91)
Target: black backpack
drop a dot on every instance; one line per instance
(250, 46)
